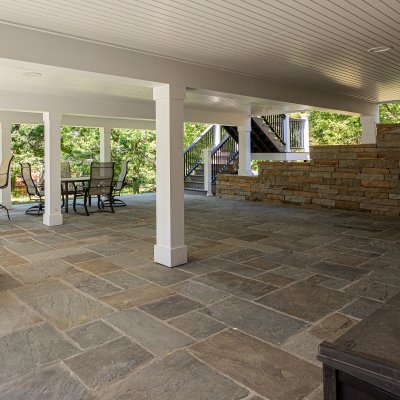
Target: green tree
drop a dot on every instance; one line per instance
(389, 113)
(328, 128)
(191, 132)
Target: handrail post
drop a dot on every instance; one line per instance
(207, 171)
(305, 133)
(217, 134)
(286, 133)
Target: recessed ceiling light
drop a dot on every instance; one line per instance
(379, 49)
(32, 74)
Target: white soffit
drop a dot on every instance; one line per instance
(314, 43)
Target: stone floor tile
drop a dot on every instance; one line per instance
(68, 308)
(293, 273)
(293, 258)
(107, 248)
(236, 285)
(149, 332)
(159, 274)
(92, 285)
(7, 258)
(197, 325)
(82, 257)
(395, 300)
(171, 306)
(305, 344)
(169, 378)
(263, 368)
(52, 238)
(97, 266)
(361, 308)
(373, 290)
(328, 281)
(266, 324)
(14, 315)
(274, 279)
(261, 263)
(29, 292)
(127, 259)
(47, 383)
(305, 300)
(229, 266)
(199, 292)
(213, 251)
(54, 254)
(28, 247)
(196, 267)
(41, 271)
(92, 334)
(338, 271)
(7, 281)
(104, 363)
(25, 350)
(348, 259)
(242, 255)
(123, 279)
(136, 296)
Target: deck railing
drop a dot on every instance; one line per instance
(193, 155)
(222, 156)
(296, 126)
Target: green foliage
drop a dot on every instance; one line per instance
(80, 146)
(139, 147)
(389, 113)
(327, 128)
(192, 132)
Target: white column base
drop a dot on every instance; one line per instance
(245, 172)
(51, 220)
(170, 257)
(6, 204)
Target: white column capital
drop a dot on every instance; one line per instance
(170, 92)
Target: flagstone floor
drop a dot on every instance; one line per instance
(85, 314)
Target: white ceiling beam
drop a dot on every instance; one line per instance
(61, 51)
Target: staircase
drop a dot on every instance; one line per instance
(267, 136)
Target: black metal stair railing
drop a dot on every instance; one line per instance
(296, 133)
(223, 155)
(193, 155)
(275, 123)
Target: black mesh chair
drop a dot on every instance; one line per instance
(100, 185)
(68, 188)
(5, 177)
(34, 190)
(118, 186)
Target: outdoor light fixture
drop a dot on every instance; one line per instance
(32, 74)
(379, 49)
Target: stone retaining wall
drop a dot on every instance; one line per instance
(355, 177)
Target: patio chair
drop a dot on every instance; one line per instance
(100, 185)
(118, 186)
(5, 176)
(70, 189)
(34, 190)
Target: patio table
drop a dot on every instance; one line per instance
(75, 179)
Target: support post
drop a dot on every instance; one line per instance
(52, 168)
(207, 171)
(286, 133)
(217, 134)
(306, 133)
(368, 125)
(245, 149)
(105, 144)
(170, 249)
(5, 149)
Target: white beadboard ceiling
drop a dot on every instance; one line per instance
(316, 43)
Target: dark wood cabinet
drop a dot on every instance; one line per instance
(364, 363)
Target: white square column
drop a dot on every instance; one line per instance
(245, 149)
(105, 144)
(368, 125)
(52, 168)
(170, 249)
(5, 149)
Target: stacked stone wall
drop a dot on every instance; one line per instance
(354, 177)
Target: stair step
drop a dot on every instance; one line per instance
(194, 185)
(195, 178)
